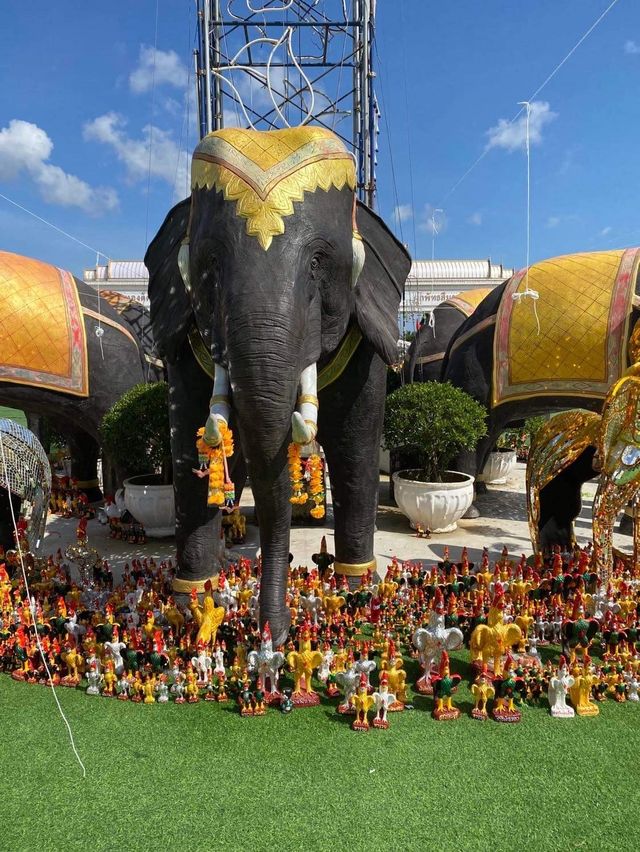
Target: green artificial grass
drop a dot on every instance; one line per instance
(202, 777)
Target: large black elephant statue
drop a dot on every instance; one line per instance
(424, 358)
(40, 344)
(552, 337)
(292, 290)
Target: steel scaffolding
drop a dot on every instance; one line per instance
(268, 64)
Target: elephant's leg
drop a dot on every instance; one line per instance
(350, 426)
(610, 499)
(561, 501)
(84, 463)
(473, 461)
(198, 526)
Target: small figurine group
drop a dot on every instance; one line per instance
(362, 702)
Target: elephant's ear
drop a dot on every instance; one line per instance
(380, 284)
(171, 313)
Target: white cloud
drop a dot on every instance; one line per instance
(168, 162)
(605, 231)
(512, 135)
(631, 47)
(402, 212)
(169, 70)
(433, 220)
(553, 221)
(475, 218)
(26, 148)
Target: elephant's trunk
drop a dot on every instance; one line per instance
(264, 394)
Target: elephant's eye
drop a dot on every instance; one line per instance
(315, 264)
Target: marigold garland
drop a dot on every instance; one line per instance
(298, 496)
(316, 491)
(221, 490)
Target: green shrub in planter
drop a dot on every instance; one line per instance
(135, 431)
(433, 421)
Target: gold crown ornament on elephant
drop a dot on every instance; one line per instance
(274, 299)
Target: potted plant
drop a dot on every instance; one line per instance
(136, 436)
(433, 422)
(500, 461)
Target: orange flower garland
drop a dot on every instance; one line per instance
(298, 496)
(315, 486)
(220, 488)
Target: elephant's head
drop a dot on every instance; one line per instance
(278, 261)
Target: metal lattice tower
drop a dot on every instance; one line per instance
(269, 64)
(27, 475)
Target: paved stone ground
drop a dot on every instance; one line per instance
(503, 522)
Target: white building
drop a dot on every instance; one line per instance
(129, 277)
(433, 281)
(429, 283)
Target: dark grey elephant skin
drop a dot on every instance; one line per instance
(266, 316)
(124, 364)
(561, 502)
(424, 360)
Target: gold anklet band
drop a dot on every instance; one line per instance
(185, 587)
(354, 570)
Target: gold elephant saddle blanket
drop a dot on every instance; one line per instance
(468, 300)
(42, 335)
(568, 338)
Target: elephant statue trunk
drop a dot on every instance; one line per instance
(264, 437)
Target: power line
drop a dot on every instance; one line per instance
(532, 97)
(55, 227)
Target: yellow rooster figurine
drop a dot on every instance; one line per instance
(208, 617)
(302, 662)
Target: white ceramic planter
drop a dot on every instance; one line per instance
(436, 506)
(498, 467)
(152, 505)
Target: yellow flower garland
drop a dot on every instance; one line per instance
(298, 496)
(316, 491)
(220, 488)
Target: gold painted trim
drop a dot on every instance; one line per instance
(200, 351)
(308, 398)
(266, 208)
(185, 587)
(106, 321)
(336, 367)
(329, 374)
(354, 570)
(219, 397)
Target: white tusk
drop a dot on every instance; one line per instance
(304, 421)
(219, 408)
(183, 265)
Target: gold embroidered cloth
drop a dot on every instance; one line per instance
(42, 335)
(264, 172)
(583, 307)
(468, 300)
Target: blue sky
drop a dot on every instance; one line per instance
(76, 103)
